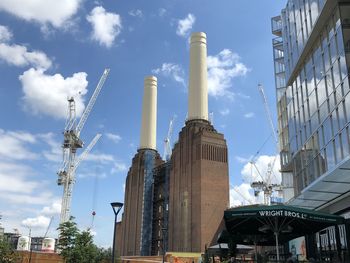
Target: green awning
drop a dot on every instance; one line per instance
(289, 222)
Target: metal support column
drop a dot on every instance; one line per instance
(337, 240)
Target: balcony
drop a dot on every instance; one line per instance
(276, 26)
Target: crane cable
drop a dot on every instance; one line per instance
(94, 198)
(252, 160)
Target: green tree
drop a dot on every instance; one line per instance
(84, 250)
(77, 246)
(106, 254)
(66, 242)
(7, 254)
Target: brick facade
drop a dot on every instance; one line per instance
(199, 187)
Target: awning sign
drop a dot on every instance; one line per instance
(272, 213)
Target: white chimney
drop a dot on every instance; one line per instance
(198, 87)
(149, 114)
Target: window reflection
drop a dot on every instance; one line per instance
(316, 108)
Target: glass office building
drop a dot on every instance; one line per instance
(311, 52)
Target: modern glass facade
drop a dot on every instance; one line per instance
(311, 55)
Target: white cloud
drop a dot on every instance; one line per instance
(102, 158)
(43, 198)
(47, 94)
(243, 96)
(23, 136)
(258, 172)
(249, 115)
(18, 55)
(222, 68)
(171, 70)
(55, 152)
(242, 159)
(118, 167)
(53, 209)
(87, 175)
(225, 112)
(56, 13)
(22, 188)
(13, 178)
(241, 195)
(185, 25)
(106, 26)
(114, 137)
(13, 145)
(92, 232)
(37, 222)
(136, 12)
(161, 12)
(5, 34)
(18, 182)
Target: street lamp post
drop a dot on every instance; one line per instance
(116, 209)
(164, 237)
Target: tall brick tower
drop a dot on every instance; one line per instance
(199, 182)
(137, 217)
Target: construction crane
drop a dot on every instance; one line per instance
(167, 143)
(235, 188)
(265, 185)
(211, 117)
(67, 179)
(71, 143)
(48, 227)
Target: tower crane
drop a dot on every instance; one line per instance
(67, 179)
(71, 143)
(48, 227)
(236, 189)
(266, 186)
(167, 143)
(211, 117)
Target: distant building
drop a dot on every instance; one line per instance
(12, 239)
(312, 58)
(2, 231)
(177, 205)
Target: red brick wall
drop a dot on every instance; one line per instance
(132, 216)
(38, 257)
(199, 187)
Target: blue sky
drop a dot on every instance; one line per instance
(53, 49)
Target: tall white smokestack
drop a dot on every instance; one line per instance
(149, 114)
(198, 87)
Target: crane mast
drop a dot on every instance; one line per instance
(72, 142)
(167, 143)
(68, 180)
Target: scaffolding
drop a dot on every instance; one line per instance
(160, 208)
(147, 208)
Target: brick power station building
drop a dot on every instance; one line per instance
(176, 204)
